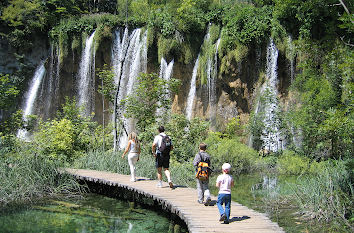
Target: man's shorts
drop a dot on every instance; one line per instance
(162, 161)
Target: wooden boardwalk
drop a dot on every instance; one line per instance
(183, 202)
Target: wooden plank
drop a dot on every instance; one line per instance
(183, 202)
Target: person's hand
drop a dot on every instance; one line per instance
(123, 156)
(154, 154)
(137, 159)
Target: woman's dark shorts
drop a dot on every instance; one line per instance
(162, 160)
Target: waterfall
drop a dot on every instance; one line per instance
(129, 58)
(31, 96)
(50, 85)
(192, 90)
(291, 55)
(212, 72)
(165, 73)
(271, 135)
(86, 77)
(166, 69)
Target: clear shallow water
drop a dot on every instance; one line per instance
(94, 213)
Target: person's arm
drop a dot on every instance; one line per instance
(196, 160)
(232, 183)
(217, 184)
(153, 148)
(126, 149)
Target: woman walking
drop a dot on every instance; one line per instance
(133, 148)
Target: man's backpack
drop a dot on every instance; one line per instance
(166, 145)
(203, 170)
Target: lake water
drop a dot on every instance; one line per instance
(93, 213)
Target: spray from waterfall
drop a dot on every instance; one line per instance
(31, 96)
(86, 77)
(192, 90)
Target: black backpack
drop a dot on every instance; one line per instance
(166, 145)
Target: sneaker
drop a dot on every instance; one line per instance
(170, 184)
(207, 202)
(200, 202)
(132, 180)
(159, 184)
(226, 221)
(222, 217)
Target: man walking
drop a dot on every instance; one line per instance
(202, 184)
(161, 148)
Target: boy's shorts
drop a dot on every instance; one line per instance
(162, 161)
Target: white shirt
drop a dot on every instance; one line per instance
(158, 140)
(224, 182)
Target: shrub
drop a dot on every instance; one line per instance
(292, 164)
(242, 158)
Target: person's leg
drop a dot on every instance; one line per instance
(219, 203)
(200, 191)
(132, 159)
(227, 206)
(166, 165)
(168, 174)
(159, 173)
(206, 192)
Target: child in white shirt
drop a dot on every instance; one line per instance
(224, 182)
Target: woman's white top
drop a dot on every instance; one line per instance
(133, 148)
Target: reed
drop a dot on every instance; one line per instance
(29, 177)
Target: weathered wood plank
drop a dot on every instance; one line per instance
(183, 202)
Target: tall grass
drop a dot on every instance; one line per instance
(181, 173)
(30, 177)
(327, 196)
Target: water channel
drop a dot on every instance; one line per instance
(91, 213)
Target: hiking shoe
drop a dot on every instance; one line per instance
(207, 202)
(222, 217)
(159, 184)
(170, 184)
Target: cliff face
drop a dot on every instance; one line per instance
(235, 90)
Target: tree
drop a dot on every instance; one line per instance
(151, 93)
(8, 92)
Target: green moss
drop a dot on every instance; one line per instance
(167, 46)
(76, 43)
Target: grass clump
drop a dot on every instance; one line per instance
(31, 177)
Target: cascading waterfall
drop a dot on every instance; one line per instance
(212, 71)
(192, 90)
(291, 57)
(86, 77)
(166, 71)
(271, 135)
(31, 96)
(50, 85)
(129, 58)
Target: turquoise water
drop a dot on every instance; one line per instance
(93, 213)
